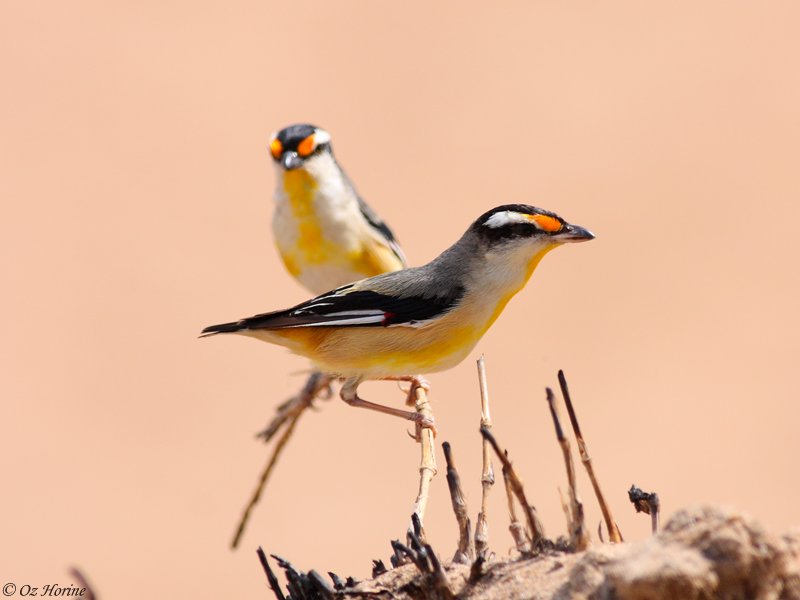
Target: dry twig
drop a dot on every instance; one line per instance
(262, 482)
(466, 549)
(323, 588)
(271, 578)
(89, 592)
(294, 406)
(426, 561)
(578, 536)
(304, 586)
(613, 531)
(427, 466)
(288, 413)
(646, 503)
(378, 568)
(515, 527)
(536, 530)
(487, 477)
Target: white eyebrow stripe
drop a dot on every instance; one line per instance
(321, 137)
(507, 217)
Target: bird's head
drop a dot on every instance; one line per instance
(299, 145)
(513, 238)
(518, 225)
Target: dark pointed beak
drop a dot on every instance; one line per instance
(290, 160)
(573, 233)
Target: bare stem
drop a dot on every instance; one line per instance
(487, 477)
(515, 527)
(88, 592)
(613, 531)
(655, 510)
(271, 579)
(427, 466)
(535, 527)
(646, 503)
(286, 414)
(466, 549)
(578, 536)
(317, 383)
(264, 477)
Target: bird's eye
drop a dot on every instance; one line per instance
(276, 148)
(524, 229)
(306, 147)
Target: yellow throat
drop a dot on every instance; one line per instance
(300, 189)
(534, 262)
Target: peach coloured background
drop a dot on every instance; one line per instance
(136, 186)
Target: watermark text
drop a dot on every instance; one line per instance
(50, 590)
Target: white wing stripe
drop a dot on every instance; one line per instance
(361, 321)
(363, 313)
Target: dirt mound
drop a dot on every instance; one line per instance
(702, 553)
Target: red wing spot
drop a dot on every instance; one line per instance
(388, 318)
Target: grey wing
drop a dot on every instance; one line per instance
(375, 222)
(382, 229)
(349, 307)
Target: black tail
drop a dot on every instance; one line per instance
(270, 320)
(224, 328)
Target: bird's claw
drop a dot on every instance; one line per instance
(418, 381)
(423, 422)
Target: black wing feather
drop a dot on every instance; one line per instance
(377, 223)
(355, 309)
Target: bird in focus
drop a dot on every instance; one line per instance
(326, 234)
(418, 320)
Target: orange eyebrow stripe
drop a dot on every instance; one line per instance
(306, 147)
(549, 224)
(276, 148)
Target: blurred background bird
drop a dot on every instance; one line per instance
(327, 236)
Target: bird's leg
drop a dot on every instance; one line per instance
(417, 381)
(349, 394)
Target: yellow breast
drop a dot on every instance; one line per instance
(324, 243)
(312, 247)
(373, 258)
(377, 352)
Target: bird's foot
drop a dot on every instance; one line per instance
(423, 422)
(414, 381)
(418, 381)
